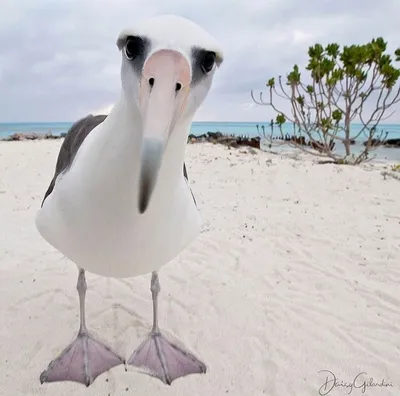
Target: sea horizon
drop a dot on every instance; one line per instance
(198, 127)
(236, 128)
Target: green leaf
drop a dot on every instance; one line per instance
(397, 54)
(294, 76)
(280, 119)
(300, 100)
(271, 83)
(337, 115)
(336, 83)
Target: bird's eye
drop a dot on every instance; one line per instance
(207, 62)
(133, 47)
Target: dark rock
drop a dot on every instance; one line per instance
(32, 136)
(321, 147)
(51, 136)
(215, 135)
(227, 140)
(15, 137)
(250, 142)
(373, 142)
(392, 143)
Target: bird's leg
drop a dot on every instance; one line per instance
(85, 358)
(159, 357)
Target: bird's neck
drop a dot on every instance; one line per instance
(112, 153)
(129, 128)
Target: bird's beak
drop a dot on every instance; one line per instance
(163, 92)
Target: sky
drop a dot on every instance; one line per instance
(59, 60)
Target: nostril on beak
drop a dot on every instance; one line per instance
(178, 87)
(151, 81)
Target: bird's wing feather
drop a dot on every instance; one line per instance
(187, 181)
(73, 140)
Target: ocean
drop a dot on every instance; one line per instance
(250, 129)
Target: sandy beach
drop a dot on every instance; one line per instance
(296, 271)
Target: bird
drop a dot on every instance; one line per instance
(120, 204)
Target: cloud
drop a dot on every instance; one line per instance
(58, 59)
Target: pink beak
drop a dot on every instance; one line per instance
(163, 92)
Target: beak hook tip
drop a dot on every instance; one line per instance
(142, 206)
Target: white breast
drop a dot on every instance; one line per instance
(92, 215)
(108, 240)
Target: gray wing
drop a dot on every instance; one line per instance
(73, 140)
(187, 180)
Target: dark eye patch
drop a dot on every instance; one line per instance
(202, 63)
(134, 47)
(208, 61)
(135, 50)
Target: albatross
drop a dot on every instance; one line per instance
(119, 204)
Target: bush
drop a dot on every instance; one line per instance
(342, 81)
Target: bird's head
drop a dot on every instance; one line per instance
(168, 64)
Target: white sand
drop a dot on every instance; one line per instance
(297, 270)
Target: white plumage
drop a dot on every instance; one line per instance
(91, 215)
(119, 204)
